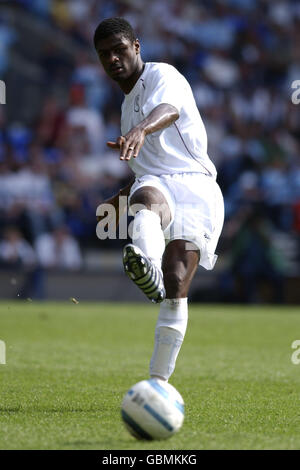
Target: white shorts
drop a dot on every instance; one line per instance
(197, 210)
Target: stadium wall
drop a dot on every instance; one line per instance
(111, 285)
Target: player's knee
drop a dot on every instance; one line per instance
(152, 199)
(175, 284)
(145, 196)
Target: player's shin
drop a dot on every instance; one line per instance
(148, 236)
(169, 334)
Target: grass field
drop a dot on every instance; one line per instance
(68, 367)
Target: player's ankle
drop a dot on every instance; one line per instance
(158, 377)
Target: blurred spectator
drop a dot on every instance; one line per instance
(18, 255)
(51, 124)
(15, 251)
(255, 262)
(58, 250)
(88, 73)
(86, 124)
(278, 194)
(26, 195)
(8, 37)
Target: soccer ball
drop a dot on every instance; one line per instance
(152, 409)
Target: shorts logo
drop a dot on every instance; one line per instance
(137, 103)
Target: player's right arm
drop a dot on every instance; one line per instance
(159, 118)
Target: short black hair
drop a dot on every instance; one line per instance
(111, 26)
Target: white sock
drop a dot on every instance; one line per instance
(169, 334)
(148, 235)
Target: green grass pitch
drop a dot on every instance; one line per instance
(68, 367)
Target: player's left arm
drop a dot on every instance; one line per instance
(159, 118)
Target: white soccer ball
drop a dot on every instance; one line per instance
(152, 409)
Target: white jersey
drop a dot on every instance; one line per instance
(179, 148)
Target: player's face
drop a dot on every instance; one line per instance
(119, 56)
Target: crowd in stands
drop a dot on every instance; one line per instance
(240, 57)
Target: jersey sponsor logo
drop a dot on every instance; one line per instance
(137, 103)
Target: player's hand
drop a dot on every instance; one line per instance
(130, 144)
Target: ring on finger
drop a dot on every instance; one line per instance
(130, 148)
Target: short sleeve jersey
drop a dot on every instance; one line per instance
(179, 148)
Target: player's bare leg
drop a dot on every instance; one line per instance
(180, 262)
(179, 266)
(142, 259)
(153, 199)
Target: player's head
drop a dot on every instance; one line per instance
(112, 26)
(117, 47)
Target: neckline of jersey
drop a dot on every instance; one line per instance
(131, 93)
